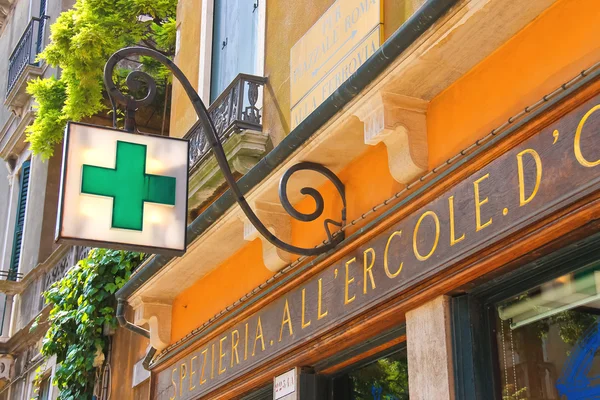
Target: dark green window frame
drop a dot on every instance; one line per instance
(20, 220)
(476, 372)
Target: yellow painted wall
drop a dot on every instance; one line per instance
(551, 50)
(189, 15)
(240, 274)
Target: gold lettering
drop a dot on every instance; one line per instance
(538, 175)
(304, 324)
(321, 314)
(578, 153)
(368, 271)
(246, 344)
(453, 239)
(386, 266)
(173, 372)
(234, 345)
(182, 376)
(212, 361)
(348, 282)
(192, 373)
(257, 336)
(286, 319)
(479, 203)
(416, 232)
(205, 354)
(221, 355)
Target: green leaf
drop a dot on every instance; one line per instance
(82, 303)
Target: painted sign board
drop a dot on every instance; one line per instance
(345, 36)
(124, 191)
(555, 168)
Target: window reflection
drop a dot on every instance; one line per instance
(548, 340)
(383, 379)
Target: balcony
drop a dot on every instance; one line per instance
(236, 114)
(22, 64)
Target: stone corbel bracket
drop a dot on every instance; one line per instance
(157, 314)
(278, 222)
(400, 122)
(6, 363)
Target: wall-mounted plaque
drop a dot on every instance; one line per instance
(341, 41)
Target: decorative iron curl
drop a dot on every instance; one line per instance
(133, 104)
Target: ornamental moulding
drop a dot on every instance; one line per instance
(400, 122)
(278, 222)
(157, 314)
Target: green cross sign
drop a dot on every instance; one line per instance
(129, 185)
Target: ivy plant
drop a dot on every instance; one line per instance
(82, 305)
(81, 41)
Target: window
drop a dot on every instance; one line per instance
(42, 28)
(44, 389)
(534, 332)
(264, 393)
(20, 221)
(385, 378)
(548, 339)
(234, 42)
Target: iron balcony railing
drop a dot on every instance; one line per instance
(11, 275)
(233, 111)
(25, 53)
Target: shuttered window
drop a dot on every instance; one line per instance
(20, 222)
(235, 39)
(41, 29)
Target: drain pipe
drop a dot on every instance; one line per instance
(148, 358)
(120, 314)
(126, 324)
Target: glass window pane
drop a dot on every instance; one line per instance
(548, 339)
(383, 379)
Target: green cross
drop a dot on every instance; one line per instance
(129, 185)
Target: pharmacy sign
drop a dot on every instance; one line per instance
(123, 191)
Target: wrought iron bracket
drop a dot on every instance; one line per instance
(131, 104)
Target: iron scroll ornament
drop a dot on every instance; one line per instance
(132, 104)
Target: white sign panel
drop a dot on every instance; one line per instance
(122, 190)
(284, 384)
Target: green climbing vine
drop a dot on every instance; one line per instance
(81, 41)
(83, 303)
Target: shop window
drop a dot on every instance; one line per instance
(264, 393)
(533, 333)
(385, 378)
(548, 339)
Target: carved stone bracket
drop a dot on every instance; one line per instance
(399, 122)
(278, 222)
(157, 314)
(6, 363)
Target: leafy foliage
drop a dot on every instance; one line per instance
(83, 303)
(82, 40)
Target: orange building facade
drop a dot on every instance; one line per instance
(466, 137)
